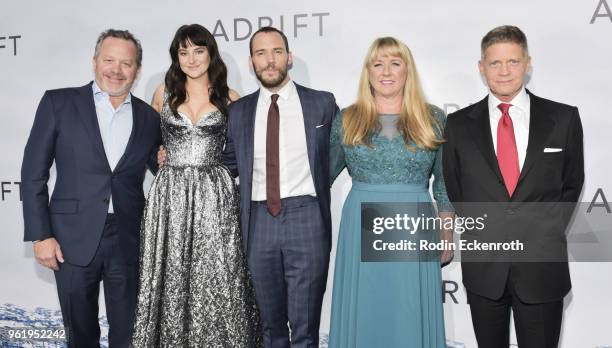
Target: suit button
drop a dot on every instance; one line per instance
(106, 200)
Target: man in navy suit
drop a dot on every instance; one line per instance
(278, 143)
(101, 139)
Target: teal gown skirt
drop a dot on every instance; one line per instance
(384, 304)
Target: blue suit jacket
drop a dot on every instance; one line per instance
(66, 131)
(319, 109)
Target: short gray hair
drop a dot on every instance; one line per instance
(120, 34)
(504, 34)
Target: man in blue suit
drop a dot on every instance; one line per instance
(278, 143)
(101, 139)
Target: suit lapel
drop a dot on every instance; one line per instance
(137, 124)
(87, 111)
(540, 127)
(250, 109)
(481, 134)
(308, 107)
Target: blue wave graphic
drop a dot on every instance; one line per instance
(14, 317)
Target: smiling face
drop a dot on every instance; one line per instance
(270, 60)
(115, 67)
(194, 60)
(504, 66)
(387, 75)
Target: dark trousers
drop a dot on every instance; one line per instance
(288, 258)
(537, 325)
(78, 289)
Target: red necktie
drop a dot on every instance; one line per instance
(272, 167)
(507, 154)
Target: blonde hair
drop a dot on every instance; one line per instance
(416, 122)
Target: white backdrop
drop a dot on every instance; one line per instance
(50, 45)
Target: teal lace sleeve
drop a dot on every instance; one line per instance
(438, 187)
(337, 160)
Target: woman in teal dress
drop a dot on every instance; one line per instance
(390, 141)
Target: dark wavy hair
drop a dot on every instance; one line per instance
(217, 71)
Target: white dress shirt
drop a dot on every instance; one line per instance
(295, 177)
(115, 127)
(520, 114)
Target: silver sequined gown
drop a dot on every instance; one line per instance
(195, 290)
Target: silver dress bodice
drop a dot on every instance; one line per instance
(193, 145)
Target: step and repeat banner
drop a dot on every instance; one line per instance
(47, 45)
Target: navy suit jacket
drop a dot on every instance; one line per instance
(66, 131)
(319, 109)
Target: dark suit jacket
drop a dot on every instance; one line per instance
(319, 109)
(472, 174)
(66, 131)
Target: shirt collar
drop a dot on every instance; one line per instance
(100, 94)
(520, 101)
(286, 92)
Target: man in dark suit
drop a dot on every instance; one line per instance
(524, 156)
(278, 143)
(101, 139)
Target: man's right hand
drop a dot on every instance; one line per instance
(161, 156)
(48, 253)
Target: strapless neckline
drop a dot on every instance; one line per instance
(188, 120)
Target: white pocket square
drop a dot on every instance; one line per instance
(552, 149)
(321, 125)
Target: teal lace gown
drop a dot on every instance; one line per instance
(385, 304)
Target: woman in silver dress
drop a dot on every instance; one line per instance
(194, 287)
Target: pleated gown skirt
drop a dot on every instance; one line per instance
(384, 304)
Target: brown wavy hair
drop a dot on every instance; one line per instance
(217, 71)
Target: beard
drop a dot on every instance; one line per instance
(272, 82)
(112, 89)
